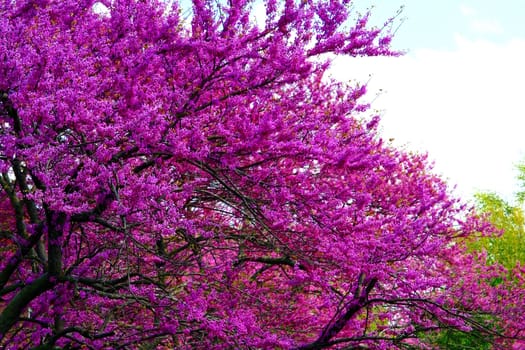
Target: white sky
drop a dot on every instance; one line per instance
(459, 94)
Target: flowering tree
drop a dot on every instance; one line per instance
(505, 248)
(188, 178)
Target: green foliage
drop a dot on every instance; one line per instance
(508, 248)
(452, 339)
(455, 339)
(520, 196)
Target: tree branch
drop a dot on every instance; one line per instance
(360, 300)
(10, 314)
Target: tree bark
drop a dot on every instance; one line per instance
(14, 309)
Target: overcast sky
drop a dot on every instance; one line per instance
(458, 93)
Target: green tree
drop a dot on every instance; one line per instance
(508, 248)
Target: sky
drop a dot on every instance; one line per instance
(458, 92)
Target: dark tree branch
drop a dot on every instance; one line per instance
(359, 301)
(14, 309)
(24, 251)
